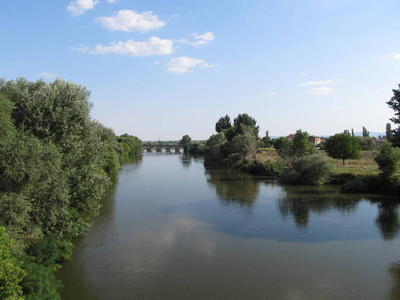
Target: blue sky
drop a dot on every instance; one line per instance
(161, 69)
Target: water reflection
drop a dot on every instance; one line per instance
(394, 271)
(233, 188)
(300, 201)
(388, 219)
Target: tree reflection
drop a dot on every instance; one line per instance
(233, 188)
(300, 201)
(388, 219)
(394, 271)
(186, 160)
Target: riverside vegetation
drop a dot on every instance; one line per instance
(298, 161)
(55, 165)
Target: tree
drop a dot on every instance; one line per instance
(342, 146)
(388, 160)
(365, 132)
(301, 145)
(223, 124)
(185, 142)
(11, 273)
(367, 143)
(244, 120)
(394, 103)
(389, 132)
(267, 140)
(245, 143)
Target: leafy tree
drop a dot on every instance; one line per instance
(267, 140)
(223, 124)
(244, 120)
(185, 142)
(365, 132)
(342, 146)
(367, 143)
(389, 132)
(245, 144)
(283, 146)
(301, 145)
(394, 103)
(388, 160)
(11, 273)
(216, 147)
(313, 169)
(352, 132)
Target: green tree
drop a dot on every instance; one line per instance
(283, 146)
(245, 144)
(185, 142)
(223, 124)
(389, 132)
(343, 146)
(394, 103)
(365, 132)
(301, 145)
(244, 120)
(11, 273)
(267, 140)
(388, 160)
(367, 143)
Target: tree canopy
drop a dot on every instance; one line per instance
(223, 124)
(342, 146)
(394, 103)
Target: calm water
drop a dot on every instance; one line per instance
(172, 228)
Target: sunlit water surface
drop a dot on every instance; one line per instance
(172, 228)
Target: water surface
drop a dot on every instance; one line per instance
(173, 228)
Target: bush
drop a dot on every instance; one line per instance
(388, 161)
(311, 170)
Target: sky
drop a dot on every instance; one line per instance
(162, 69)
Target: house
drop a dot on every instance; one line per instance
(314, 140)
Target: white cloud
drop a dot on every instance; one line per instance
(156, 62)
(111, 1)
(48, 75)
(303, 74)
(269, 93)
(208, 36)
(319, 91)
(184, 64)
(312, 83)
(395, 56)
(202, 39)
(154, 46)
(78, 7)
(130, 20)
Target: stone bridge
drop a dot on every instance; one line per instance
(158, 148)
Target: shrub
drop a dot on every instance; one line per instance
(312, 170)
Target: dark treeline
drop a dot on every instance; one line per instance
(55, 165)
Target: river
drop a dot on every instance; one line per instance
(173, 228)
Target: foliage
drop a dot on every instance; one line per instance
(301, 145)
(314, 169)
(131, 145)
(185, 142)
(394, 103)
(243, 122)
(388, 160)
(389, 132)
(267, 140)
(365, 132)
(283, 146)
(342, 146)
(55, 165)
(367, 143)
(223, 124)
(245, 143)
(11, 273)
(216, 147)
